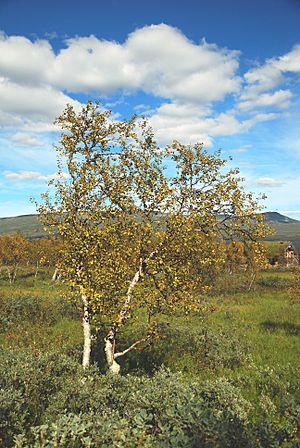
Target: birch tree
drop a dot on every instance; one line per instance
(134, 236)
(13, 252)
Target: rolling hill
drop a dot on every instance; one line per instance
(28, 225)
(286, 229)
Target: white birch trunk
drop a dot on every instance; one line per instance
(9, 275)
(36, 269)
(86, 333)
(113, 367)
(54, 276)
(14, 273)
(110, 340)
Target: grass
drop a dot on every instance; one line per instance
(264, 320)
(246, 345)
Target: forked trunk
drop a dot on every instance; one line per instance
(110, 340)
(110, 344)
(86, 333)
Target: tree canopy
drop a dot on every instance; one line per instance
(140, 224)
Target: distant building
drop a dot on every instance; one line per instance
(291, 255)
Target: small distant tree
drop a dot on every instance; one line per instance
(255, 254)
(235, 256)
(133, 236)
(43, 252)
(13, 252)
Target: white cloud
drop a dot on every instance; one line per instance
(269, 182)
(158, 59)
(271, 74)
(24, 139)
(30, 103)
(289, 62)
(174, 67)
(23, 61)
(261, 79)
(279, 100)
(260, 118)
(31, 176)
(241, 149)
(189, 123)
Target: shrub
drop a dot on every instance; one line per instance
(274, 282)
(17, 310)
(13, 415)
(47, 400)
(162, 411)
(189, 349)
(35, 378)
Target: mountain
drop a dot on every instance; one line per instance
(286, 229)
(278, 218)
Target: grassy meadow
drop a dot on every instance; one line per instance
(228, 377)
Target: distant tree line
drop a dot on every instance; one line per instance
(17, 251)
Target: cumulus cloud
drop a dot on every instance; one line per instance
(271, 74)
(279, 100)
(289, 62)
(36, 82)
(20, 103)
(31, 176)
(23, 61)
(269, 182)
(190, 123)
(158, 59)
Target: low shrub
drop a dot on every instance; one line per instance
(13, 415)
(17, 310)
(47, 400)
(274, 282)
(189, 349)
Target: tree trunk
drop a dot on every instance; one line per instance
(9, 275)
(36, 269)
(110, 344)
(14, 273)
(54, 276)
(251, 280)
(110, 340)
(86, 333)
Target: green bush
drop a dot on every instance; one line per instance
(36, 378)
(48, 400)
(17, 310)
(13, 415)
(189, 349)
(162, 411)
(275, 282)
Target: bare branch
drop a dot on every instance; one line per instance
(132, 347)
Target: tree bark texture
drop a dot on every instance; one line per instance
(86, 333)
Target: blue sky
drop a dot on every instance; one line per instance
(223, 72)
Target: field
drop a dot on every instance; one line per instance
(229, 377)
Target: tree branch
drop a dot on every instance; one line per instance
(132, 347)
